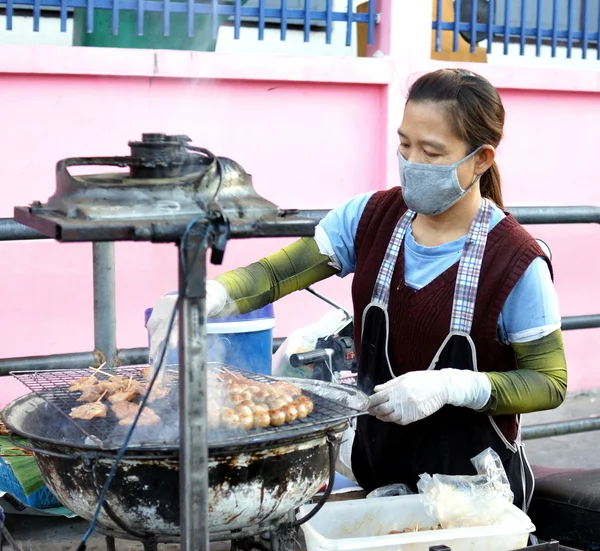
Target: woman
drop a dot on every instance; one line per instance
(457, 325)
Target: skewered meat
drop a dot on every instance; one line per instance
(291, 413)
(158, 392)
(147, 417)
(124, 409)
(239, 402)
(277, 417)
(301, 409)
(83, 383)
(229, 418)
(89, 411)
(147, 372)
(261, 419)
(114, 384)
(90, 394)
(123, 396)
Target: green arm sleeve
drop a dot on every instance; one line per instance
(292, 268)
(539, 383)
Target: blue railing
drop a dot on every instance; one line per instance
(569, 24)
(217, 10)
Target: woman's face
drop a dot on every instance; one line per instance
(426, 137)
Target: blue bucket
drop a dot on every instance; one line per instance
(244, 341)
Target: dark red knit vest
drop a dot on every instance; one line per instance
(420, 320)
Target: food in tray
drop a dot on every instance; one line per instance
(3, 430)
(415, 528)
(238, 402)
(89, 411)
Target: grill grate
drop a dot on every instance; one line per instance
(105, 432)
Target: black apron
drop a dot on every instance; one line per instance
(444, 443)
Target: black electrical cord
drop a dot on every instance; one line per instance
(187, 270)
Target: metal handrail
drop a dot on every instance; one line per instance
(105, 325)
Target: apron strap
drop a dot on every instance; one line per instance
(469, 269)
(381, 291)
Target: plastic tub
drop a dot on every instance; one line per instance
(40, 499)
(365, 524)
(244, 341)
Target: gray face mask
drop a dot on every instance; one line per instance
(431, 189)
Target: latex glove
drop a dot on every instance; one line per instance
(158, 324)
(419, 394)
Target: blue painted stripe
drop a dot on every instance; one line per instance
(474, 7)
(538, 27)
(490, 26)
(457, 5)
(506, 26)
(586, 28)
(523, 24)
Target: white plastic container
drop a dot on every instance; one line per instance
(365, 524)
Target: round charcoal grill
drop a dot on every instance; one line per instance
(256, 477)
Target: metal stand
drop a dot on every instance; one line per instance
(105, 317)
(193, 455)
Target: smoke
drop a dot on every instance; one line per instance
(221, 352)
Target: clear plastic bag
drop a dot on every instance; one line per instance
(390, 491)
(468, 501)
(304, 340)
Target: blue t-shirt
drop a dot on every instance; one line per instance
(530, 312)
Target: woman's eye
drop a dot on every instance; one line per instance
(432, 155)
(404, 145)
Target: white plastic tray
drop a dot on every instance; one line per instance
(365, 524)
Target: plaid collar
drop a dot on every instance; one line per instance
(469, 268)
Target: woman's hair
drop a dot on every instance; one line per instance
(476, 111)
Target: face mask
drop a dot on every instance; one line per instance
(431, 189)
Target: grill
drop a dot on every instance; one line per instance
(330, 407)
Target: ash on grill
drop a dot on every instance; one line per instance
(108, 431)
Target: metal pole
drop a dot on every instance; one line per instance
(105, 318)
(193, 455)
(570, 323)
(72, 360)
(556, 215)
(561, 428)
(13, 231)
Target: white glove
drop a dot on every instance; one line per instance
(419, 394)
(158, 324)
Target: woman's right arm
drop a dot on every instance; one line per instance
(301, 264)
(295, 267)
(290, 269)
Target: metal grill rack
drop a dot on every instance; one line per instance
(105, 432)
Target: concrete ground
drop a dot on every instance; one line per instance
(579, 450)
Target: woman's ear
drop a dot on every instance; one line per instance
(484, 159)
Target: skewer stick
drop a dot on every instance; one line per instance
(97, 370)
(98, 400)
(129, 384)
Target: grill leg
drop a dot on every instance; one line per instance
(283, 539)
(110, 544)
(150, 546)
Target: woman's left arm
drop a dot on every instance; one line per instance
(539, 383)
(530, 323)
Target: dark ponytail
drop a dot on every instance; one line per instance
(476, 113)
(490, 185)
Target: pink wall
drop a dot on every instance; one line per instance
(312, 131)
(307, 145)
